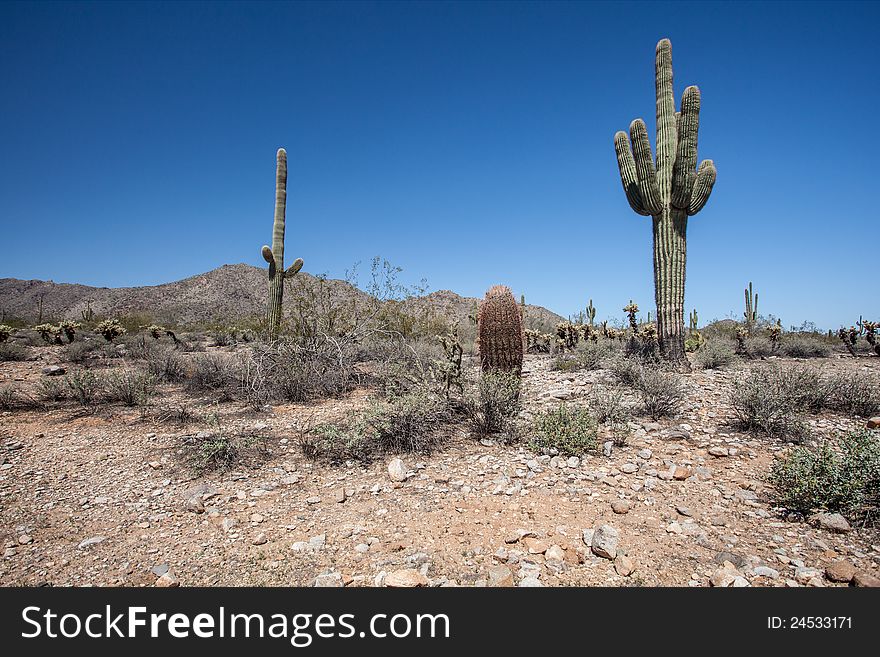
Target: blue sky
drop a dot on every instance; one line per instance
(468, 143)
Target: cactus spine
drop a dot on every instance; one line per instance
(275, 255)
(751, 312)
(669, 192)
(500, 332)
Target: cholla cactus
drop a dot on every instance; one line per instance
(693, 341)
(537, 342)
(449, 369)
(632, 310)
(69, 328)
(605, 329)
(49, 332)
(849, 338)
(500, 332)
(775, 334)
(110, 329)
(741, 335)
(648, 337)
(5, 332)
(870, 329)
(155, 331)
(568, 335)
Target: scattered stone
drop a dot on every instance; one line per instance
(500, 576)
(840, 571)
(719, 452)
(865, 579)
(684, 511)
(620, 507)
(535, 545)
(91, 541)
(727, 575)
(531, 582)
(54, 370)
(260, 539)
(159, 570)
(328, 580)
(623, 565)
(833, 522)
(340, 496)
(195, 505)
(604, 543)
(588, 537)
(406, 578)
(873, 423)
(167, 581)
(554, 553)
(766, 571)
(397, 470)
(25, 539)
(737, 560)
(681, 473)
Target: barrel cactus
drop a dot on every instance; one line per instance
(669, 190)
(500, 332)
(275, 255)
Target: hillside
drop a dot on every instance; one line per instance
(224, 294)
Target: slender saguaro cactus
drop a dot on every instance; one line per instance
(751, 313)
(669, 191)
(591, 313)
(275, 255)
(694, 320)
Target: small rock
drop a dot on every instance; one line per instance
(865, 579)
(500, 576)
(873, 423)
(260, 539)
(766, 571)
(406, 578)
(535, 545)
(840, 571)
(25, 539)
(719, 452)
(92, 541)
(328, 580)
(681, 473)
(167, 581)
(604, 543)
(397, 471)
(725, 575)
(340, 496)
(531, 582)
(195, 505)
(554, 553)
(623, 565)
(54, 370)
(620, 507)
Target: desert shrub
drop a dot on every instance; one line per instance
(627, 371)
(609, 405)
(132, 387)
(11, 351)
(79, 352)
(297, 370)
(764, 403)
(211, 372)
(5, 332)
(84, 387)
(404, 365)
(855, 393)
(802, 346)
(758, 347)
(409, 423)
(51, 390)
(219, 448)
(492, 405)
(661, 393)
(592, 355)
(714, 354)
(842, 477)
(9, 397)
(165, 364)
(564, 430)
(565, 363)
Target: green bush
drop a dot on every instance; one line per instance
(855, 393)
(765, 402)
(565, 363)
(564, 430)
(11, 351)
(714, 354)
(493, 404)
(221, 449)
(842, 477)
(129, 386)
(84, 387)
(803, 346)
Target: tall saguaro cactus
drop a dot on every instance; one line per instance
(275, 255)
(669, 191)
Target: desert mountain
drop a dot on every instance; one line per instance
(223, 295)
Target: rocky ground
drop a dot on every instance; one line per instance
(102, 499)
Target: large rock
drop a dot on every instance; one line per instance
(397, 470)
(866, 579)
(833, 522)
(840, 571)
(874, 423)
(604, 542)
(728, 576)
(54, 370)
(500, 576)
(406, 578)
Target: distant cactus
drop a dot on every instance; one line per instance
(88, 314)
(537, 342)
(694, 320)
(449, 369)
(870, 329)
(670, 190)
(591, 314)
(5, 332)
(751, 312)
(275, 255)
(849, 337)
(775, 334)
(500, 332)
(49, 332)
(110, 329)
(741, 335)
(69, 328)
(632, 310)
(155, 331)
(567, 334)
